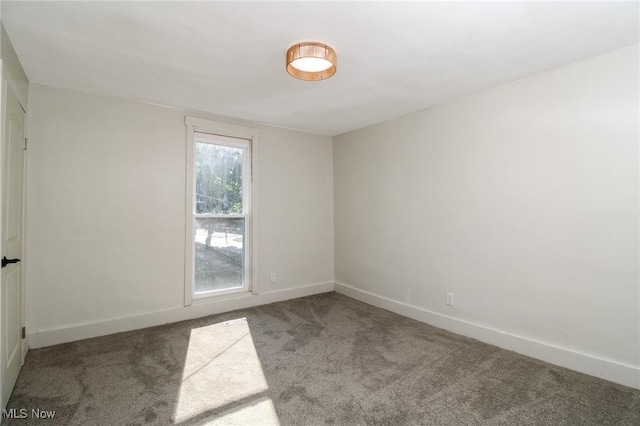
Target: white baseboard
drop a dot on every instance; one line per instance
(623, 374)
(42, 338)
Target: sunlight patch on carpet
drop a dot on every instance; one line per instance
(223, 377)
(259, 412)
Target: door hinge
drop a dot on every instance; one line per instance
(26, 144)
(24, 332)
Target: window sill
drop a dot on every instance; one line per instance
(206, 299)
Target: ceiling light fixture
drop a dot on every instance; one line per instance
(311, 61)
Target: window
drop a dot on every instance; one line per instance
(219, 208)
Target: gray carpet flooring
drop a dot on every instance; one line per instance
(324, 359)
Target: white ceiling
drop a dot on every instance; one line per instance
(228, 57)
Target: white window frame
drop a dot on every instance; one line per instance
(227, 134)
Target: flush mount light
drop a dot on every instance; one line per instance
(311, 61)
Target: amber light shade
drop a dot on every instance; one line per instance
(311, 61)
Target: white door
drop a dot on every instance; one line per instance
(12, 179)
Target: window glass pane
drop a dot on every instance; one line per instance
(219, 254)
(218, 172)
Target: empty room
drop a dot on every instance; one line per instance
(320, 213)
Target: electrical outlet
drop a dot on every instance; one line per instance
(450, 300)
(274, 278)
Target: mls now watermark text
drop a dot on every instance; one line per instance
(23, 413)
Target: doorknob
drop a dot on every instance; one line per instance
(6, 261)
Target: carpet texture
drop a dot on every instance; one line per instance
(324, 359)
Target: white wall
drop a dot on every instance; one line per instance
(106, 219)
(522, 201)
(12, 71)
